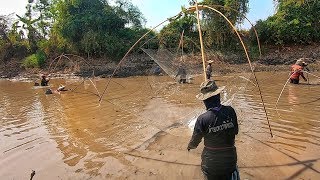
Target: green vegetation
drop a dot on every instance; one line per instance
(88, 28)
(35, 60)
(294, 22)
(217, 33)
(97, 28)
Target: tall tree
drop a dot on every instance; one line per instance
(29, 21)
(170, 35)
(218, 31)
(4, 29)
(294, 22)
(97, 28)
(126, 10)
(44, 10)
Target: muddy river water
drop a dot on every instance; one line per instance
(141, 128)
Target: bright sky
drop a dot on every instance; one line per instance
(156, 11)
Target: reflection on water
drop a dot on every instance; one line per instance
(71, 135)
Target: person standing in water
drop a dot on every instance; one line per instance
(297, 71)
(182, 74)
(44, 80)
(218, 126)
(209, 69)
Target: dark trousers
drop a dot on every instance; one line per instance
(208, 75)
(232, 176)
(182, 81)
(294, 81)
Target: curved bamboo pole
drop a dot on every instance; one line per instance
(190, 9)
(285, 84)
(254, 29)
(66, 56)
(277, 102)
(181, 43)
(248, 58)
(131, 48)
(201, 42)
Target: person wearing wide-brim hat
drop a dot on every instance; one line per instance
(44, 80)
(297, 71)
(218, 126)
(209, 69)
(301, 62)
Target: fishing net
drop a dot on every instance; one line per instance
(139, 109)
(135, 110)
(235, 77)
(170, 62)
(158, 103)
(70, 65)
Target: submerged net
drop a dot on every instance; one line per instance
(171, 62)
(139, 108)
(236, 78)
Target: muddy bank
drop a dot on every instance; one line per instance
(273, 59)
(286, 55)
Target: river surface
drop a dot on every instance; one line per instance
(141, 128)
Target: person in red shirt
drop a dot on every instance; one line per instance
(297, 71)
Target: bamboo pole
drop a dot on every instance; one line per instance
(131, 48)
(248, 58)
(201, 42)
(254, 29)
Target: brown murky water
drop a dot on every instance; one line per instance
(142, 127)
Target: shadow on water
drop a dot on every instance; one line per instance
(85, 140)
(305, 163)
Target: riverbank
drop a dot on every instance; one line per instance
(137, 64)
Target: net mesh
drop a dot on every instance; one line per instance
(171, 62)
(236, 78)
(151, 104)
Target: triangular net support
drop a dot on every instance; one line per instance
(170, 62)
(236, 77)
(79, 71)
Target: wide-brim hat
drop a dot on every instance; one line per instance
(301, 62)
(209, 89)
(210, 61)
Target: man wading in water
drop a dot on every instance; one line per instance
(182, 74)
(44, 80)
(218, 126)
(297, 71)
(209, 69)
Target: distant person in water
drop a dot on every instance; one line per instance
(297, 71)
(157, 70)
(181, 74)
(44, 80)
(218, 126)
(60, 88)
(209, 69)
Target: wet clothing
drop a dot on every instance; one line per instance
(218, 126)
(48, 91)
(157, 70)
(296, 72)
(208, 71)
(232, 176)
(294, 81)
(44, 82)
(182, 75)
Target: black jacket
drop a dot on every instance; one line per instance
(218, 128)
